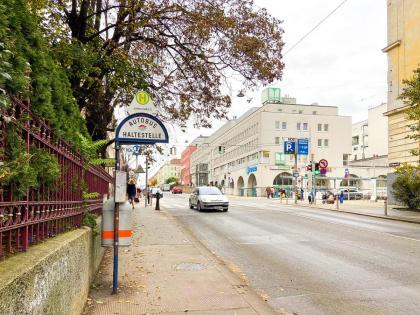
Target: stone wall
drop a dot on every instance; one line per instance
(53, 277)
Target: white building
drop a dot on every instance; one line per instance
(370, 137)
(246, 154)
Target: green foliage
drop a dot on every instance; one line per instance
(34, 73)
(172, 180)
(22, 170)
(406, 187)
(90, 149)
(90, 195)
(89, 219)
(47, 167)
(411, 97)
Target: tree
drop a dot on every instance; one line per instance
(181, 51)
(28, 70)
(153, 182)
(406, 187)
(171, 180)
(411, 97)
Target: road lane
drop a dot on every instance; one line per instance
(311, 261)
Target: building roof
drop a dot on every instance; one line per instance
(175, 162)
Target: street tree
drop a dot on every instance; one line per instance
(172, 180)
(411, 97)
(181, 51)
(406, 187)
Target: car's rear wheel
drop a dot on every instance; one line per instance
(225, 210)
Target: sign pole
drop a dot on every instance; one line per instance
(116, 222)
(296, 169)
(146, 197)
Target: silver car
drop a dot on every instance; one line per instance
(208, 198)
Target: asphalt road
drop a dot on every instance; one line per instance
(310, 261)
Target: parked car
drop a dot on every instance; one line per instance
(208, 198)
(177, 190)
(155, 191)
(352, 194)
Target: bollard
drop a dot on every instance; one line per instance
(157, 207)
(337, 202)
(386, 206)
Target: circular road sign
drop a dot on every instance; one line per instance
(323, 163)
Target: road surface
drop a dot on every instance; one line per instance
(310, 261)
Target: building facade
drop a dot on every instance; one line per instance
(370, 137)
(403, 51)
(169, 169)
(186, 177)
(247, 154)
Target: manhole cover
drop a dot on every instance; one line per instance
(190, 267)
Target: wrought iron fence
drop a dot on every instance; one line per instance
(45, 212)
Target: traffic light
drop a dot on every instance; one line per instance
(317, 169)
(309, 168)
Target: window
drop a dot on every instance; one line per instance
(283, 125)
(319, 127)
(326, 143)
(277, 140)
(301, 112)
(298, 126)
(325, 127)
(355, 140)
(314, 112)
(346, 159)
(305, 126)
(319, 142)
(277, 125)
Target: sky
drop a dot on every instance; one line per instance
(338, 64)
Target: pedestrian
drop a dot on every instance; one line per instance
(272, 192)
(131, 191)
(268, 191)
(324, 198)
(301, 194)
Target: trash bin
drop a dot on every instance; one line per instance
(125, 225)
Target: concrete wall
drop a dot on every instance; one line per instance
(53, 277)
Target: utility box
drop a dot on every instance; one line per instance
(125, 225)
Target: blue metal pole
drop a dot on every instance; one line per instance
(116, 223)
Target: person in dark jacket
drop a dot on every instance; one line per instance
(131, 191)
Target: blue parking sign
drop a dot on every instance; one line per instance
(303, 146)
(289, 147)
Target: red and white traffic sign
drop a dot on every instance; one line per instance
(323, 163)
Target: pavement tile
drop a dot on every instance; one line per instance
(164, 272)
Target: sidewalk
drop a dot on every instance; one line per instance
(361, 207)
(167, 271)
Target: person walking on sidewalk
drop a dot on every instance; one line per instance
(131, 191)
(268, 191)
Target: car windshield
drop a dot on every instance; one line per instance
(210, 191)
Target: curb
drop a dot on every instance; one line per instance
(362, 214)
